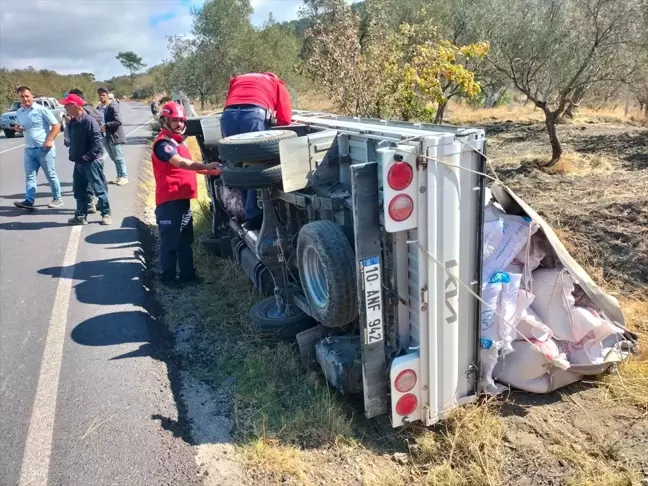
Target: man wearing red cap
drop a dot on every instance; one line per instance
(175, 187)
(255, 102)
(86, 151)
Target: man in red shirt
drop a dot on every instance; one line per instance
(255, 102)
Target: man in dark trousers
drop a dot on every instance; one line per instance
(86, 149)
(255, 102)
(94, 113)
(114, 133)
(175, 187)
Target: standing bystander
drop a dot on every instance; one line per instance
(114, 135)
(85, 151)
(40, 128)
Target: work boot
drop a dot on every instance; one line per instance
(56, 203)
(25, 205)
(77, 220)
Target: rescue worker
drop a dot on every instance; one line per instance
(255, 102)
(175, 186)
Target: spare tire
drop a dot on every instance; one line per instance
(267, 319)
(255, 177)
(326, 264)
(253, 146)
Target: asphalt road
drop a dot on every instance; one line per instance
(86, 397)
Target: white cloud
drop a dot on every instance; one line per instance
(72, 36)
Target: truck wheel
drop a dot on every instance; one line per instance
(326, 265)
(255, 177)
(9, 133)
(268, 320)
(253, 146)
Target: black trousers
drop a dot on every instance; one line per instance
(175, 223)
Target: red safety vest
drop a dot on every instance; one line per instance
(172, 183)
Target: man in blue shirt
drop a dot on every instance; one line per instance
(40, 128)
(86, 150)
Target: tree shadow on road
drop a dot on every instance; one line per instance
(123, 280)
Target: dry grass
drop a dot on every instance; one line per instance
(467, 450)
(462, 114)
(316, 101)
(593, 470)
(577, 164)
(276, 462)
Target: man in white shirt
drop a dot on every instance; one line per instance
(40, 128)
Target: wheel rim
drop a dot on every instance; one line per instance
(274, 312)
(314, 277)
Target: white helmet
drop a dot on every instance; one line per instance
(111, 96)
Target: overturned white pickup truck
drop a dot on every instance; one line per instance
(402, 276)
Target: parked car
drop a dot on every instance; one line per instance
(8, 118)
(372, 255)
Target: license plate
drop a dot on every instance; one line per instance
(372, 283)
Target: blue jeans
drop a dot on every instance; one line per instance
(244, 120)
(116, 153)
(37, 158)
(90, 174)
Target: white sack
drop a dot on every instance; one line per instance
(590, 348)
(530, 366)
(505, 304)
(530, 327)
(553, 300)
(504, 236)
(530, 255)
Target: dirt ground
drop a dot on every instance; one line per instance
(600, 210)
(283, 425)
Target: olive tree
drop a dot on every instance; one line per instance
(553, 51)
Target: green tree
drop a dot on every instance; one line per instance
(131, 61)
(554, 52)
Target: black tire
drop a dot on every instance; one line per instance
(211, 244)
(9, 133)
(253, 146)
(265, 322)
(327, 242)
(235, 176)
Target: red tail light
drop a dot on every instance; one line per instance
(401, 207)
(406, 405)
(400, 176)
(405, 381)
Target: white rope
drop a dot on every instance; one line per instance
(471, 292)
(489, 162)
(453, 165)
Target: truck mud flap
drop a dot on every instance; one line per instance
(366, 226)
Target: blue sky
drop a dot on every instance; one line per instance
(106, 28)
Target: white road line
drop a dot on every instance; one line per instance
(12, 148)
(138, 128)
(38, 447)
